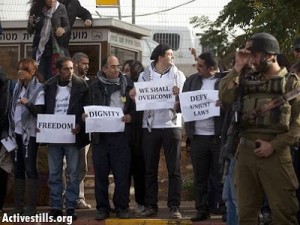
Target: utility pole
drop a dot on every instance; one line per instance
(133, 11)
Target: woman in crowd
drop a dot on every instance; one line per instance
(48, 20)
(132, 69)
(27, 102)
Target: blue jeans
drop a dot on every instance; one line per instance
(56, 153)
(229, 196)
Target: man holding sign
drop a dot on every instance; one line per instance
(204, 135)
(109, 143)
(65, 94)
(161, 128)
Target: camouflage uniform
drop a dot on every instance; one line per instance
(273, 175)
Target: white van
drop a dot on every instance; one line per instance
(181, 39)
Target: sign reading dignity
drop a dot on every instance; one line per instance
(55, 128)
(199, 105)
(154, 95)
(103, 119)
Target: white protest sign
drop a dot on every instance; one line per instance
(103, 119)
(154, 95)
(55, 128)
(199, 105)
(9, 143)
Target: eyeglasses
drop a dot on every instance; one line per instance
(114, 67)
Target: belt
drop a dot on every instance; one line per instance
(248, 143)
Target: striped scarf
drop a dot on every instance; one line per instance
(45, 32)
(32, 91)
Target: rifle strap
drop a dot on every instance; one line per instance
(273, 104)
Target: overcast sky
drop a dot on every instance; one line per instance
(17, 10)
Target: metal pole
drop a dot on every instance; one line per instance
(133, 11)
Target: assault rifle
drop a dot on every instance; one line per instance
(271, 105)
(229, 136)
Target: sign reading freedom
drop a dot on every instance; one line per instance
(55, 128)
(154, 95)
(103, 119)
(199, 105)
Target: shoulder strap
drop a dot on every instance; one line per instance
(272, 104)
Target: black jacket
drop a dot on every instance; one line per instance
(78, 99)
(74, 9)
(194, 83)
(59, 19)
(6, 90)
(99, 96)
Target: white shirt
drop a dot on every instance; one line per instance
(40, 100)
(62, 99)
(206, 126)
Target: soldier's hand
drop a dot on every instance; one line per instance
(242, 57)
(264, 149)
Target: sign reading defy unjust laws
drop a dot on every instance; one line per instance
(55, 128)
(199, 105)
(154, 95)
(103, 119)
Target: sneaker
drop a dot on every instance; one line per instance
(147, 212)
(139, 208)
(83, 205)
(175, 214)
(71, 212)
(55, 213)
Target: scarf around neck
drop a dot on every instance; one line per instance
(45, 32)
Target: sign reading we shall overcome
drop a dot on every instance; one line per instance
(199, 105)
(103, 119)
(154, 95)
(55, 128)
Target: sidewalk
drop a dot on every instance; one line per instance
(87, 217)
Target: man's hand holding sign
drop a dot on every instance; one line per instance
(105, 119)
(199, 105)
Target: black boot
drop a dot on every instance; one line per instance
(32, 190)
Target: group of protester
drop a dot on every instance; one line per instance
(260, 96)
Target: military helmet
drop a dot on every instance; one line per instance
(264, 42)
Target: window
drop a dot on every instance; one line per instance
(172, 39)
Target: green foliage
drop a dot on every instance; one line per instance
(278, 17)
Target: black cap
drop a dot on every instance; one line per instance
(159, 51)
(296, 43)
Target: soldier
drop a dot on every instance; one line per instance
(263, 159)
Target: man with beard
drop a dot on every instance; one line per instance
(81, 67)
(266, 129)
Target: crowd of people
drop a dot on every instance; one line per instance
(256, 132)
